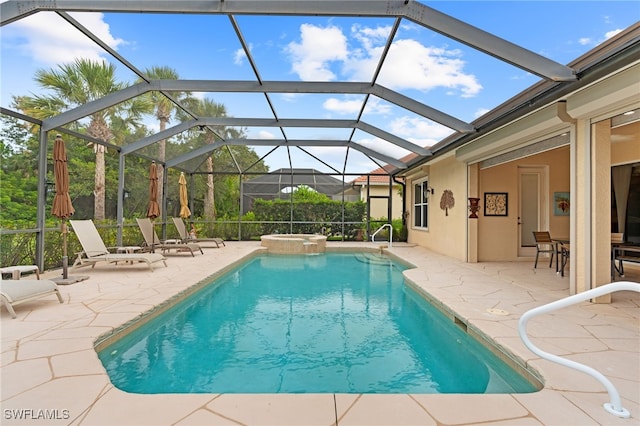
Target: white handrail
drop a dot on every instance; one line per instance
(373, 237)
(615, 406)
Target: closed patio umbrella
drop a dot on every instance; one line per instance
(62, 207)
(153, 210)
(184, 201)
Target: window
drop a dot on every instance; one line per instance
(420, 204)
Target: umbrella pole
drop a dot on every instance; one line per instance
(153, 236)
(65, 258)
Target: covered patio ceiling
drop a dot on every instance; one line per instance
(350, 145)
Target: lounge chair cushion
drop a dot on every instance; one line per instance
(14, 292)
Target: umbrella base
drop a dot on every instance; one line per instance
(69, 279)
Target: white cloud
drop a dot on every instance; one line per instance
(612, 33)
(369, 37)
(480, 112)
(352, 105)
(419, 131)
(346, 106)
(263, 134)
(323, 52)
(318, 47)
(411, 65)
(50, 40)
(383, 147)
(588, 41)
(239, 56)
(376, 106)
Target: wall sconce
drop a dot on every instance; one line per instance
(474, 206)
(431, 190)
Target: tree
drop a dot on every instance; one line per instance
(305, 193)
(76, 84)
(164, 108)
(18, 173)
(209, 108)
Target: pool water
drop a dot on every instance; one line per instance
(329, 323)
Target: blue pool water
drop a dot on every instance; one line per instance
(336, 322)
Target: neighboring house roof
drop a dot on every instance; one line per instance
(381, 174)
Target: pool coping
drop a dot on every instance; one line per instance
(48, 358)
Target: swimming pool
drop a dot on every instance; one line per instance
(329, 323)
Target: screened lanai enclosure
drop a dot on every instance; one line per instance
(233, 93)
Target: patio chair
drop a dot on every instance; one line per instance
(94, 249)
(152, 241)
(186, 238)
(14, 292)
(565, 252)
(543, 245)
(617, 239)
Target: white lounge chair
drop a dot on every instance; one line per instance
(14, 292)
(186, 238)
(95, 250)
(16, 271)
(152, 241)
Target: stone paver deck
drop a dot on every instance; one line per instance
(51, 373)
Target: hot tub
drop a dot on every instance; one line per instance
(294, 243)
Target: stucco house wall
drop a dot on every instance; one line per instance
(447, 233)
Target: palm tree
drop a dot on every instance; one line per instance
(76, 84)
(209, 108)
(164, 109)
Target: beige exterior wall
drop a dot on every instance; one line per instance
(447, 234)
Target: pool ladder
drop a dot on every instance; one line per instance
(615, 406)
(373, 237)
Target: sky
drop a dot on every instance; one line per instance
(431, 68)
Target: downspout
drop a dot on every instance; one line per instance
(563, 115)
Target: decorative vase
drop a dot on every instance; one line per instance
(474, 206)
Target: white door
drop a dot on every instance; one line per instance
(533, 207)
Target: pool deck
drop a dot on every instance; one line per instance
(49, 362)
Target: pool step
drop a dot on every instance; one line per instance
(310, 247)
(372, 259)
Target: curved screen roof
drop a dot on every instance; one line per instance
(344, 87)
